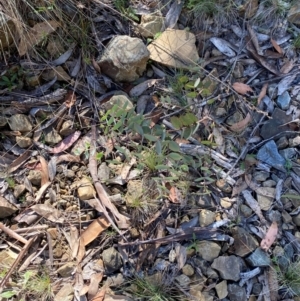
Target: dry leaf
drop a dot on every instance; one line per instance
(94, 229)
(254, 39)
(287, 67)
(44, 171)
(241, 88)
(174, 194)
(70, 99)
(35, 35)
(241, 125)
(270, 237)
(66, 143)
(48, 212)
(100, 295)
(142, 87)
(94, 286)
(276, 46)
(262, 93)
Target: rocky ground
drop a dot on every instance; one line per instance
(150, 151)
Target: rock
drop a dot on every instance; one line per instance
(224, 186)
(183, 281)
(295, 200)
(6, 208)
(238, 71)
(85, 189)
(66, 293)
(283, 100)
(286, 217)
(261, 176)
(211, 274)
(150, 25)
(236, 293)
(221, 289)
(33, 81)
(19, 190)
(225, 203)
(35, 177)
(296, 220)
(134, 192)
(7, 30)
(67, 128)
(289, 153)
(220, 112)
(268, 153)
(228, 267)
(259, 258)
(256, 290)
(295, 141)
(246, 210)
(282, 142)
(175, 48)
(23, 142)
(58, 71)
(244, 242)
(208, 250)
(112, 260)
(20, 122)
(269, 183)
(51, 136)
(234, 118)
(124, 59)
(3, 121)
(188, 270)
(69, 173)
(206, 217)
(103, 172)
(275, 125)
(265, 197)
(294, 13)
(122, 101)
(67, 269)
(115, 280)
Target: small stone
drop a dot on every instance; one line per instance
(3, 121)
(221, 289)
(244, 242)
(283, 100)
(112, 260)
(228, 267)
(246, 210)
(235, 118)
(122, 101)
(206, 217)
(288, 153)
(124, 59)
(264, 202)
(23, 142)
(19, 190)
(225, 203)
(67, 269)
(69, 173)
(259, 258)
(236, 293)
(282, 142)
(211, 274)
(103, 172)
(224, 186)
(261, 176)
(268, 153)
(51, 136)
(256, 289)
(296, 220)
(286, 217)
(20, 122)
(188, 270)
(294, 142)
(183, 280)
(85, 190)
(220, 112)
(238, 71)
(6, 208)
(135, 191)
(134, 232)
(150, 25)
(59, 72)
(269, 183)
(208, 250)
(67, 128)
(35, 177)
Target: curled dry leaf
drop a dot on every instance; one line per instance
(174, 194)
(262, 93)
(287, 67)
(276, 46)
(66, 143)
(270, 237)
(241, 125)
(241, 88)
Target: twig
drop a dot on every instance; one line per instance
(16, 262)
(13, 234)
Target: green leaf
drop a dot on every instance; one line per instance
(174, 156)
(176, 122)
(183, 79)
(210, 101)
(117, 125)
(150, 137)
(158, 147)
(162, 167)
(192, 94)
(197, 82)
(7, 294)
(138, 129)
(173, 146)
(187, 132)
(192, 117)
(189, 85)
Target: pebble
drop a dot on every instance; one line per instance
(259, 258)
(221, 289)
(246, 210)
(112, 260)
(23, 142)
(85, 189)
(188, 270)
(269, 183)
(20, 122)
(261, 176)
(236, 293)
(208, 250)
(206, 217)
(282, 142)
(228, 267)
(283, 100)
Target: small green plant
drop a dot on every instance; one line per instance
(11, 182)
(194, 244)
(289, 275)
(123, 7)
(288, 166)
(296, 42)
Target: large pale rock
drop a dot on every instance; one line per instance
(20, 122)
(85, 190)
(124, 59)
(175, 48)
